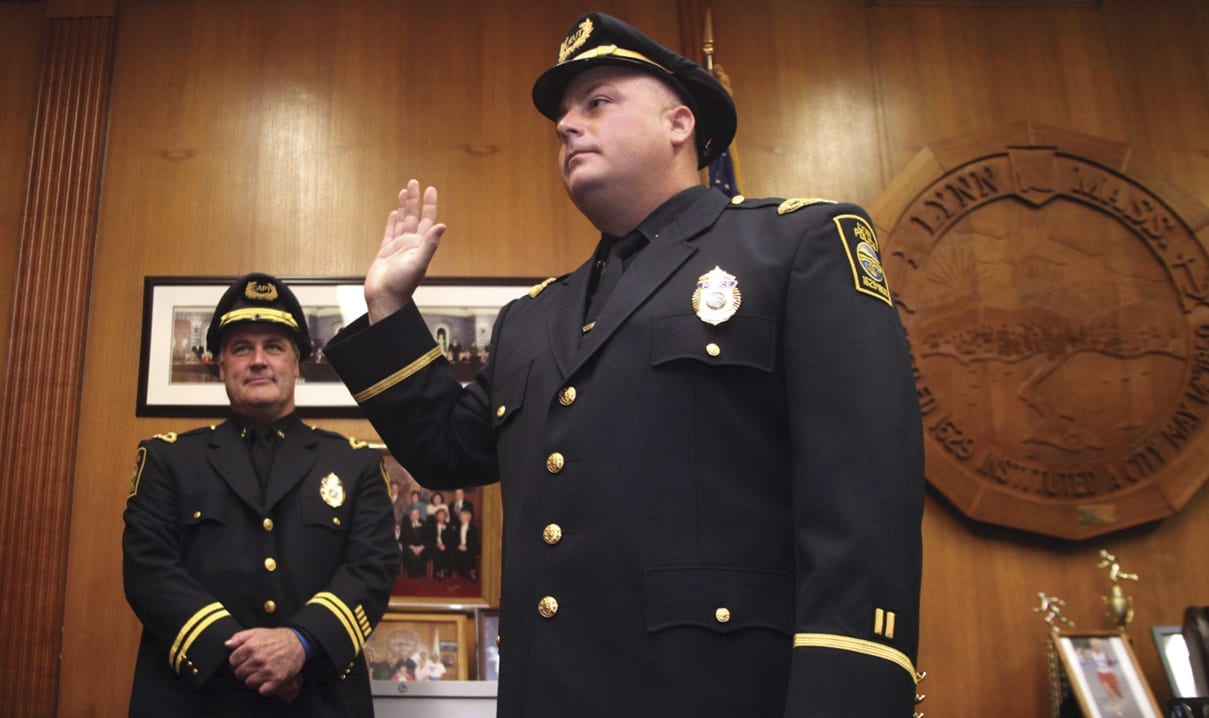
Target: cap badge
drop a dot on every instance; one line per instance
(331, 490)
(717, 296)
(260, 291)
(575, 40)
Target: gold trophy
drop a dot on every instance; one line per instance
(1051, 612)
(1119, 606)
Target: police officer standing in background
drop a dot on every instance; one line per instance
(711, 464)
(258, 553)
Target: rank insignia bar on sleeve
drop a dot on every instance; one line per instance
(717, 296)
(860, 244)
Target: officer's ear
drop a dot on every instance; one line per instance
(681, 124)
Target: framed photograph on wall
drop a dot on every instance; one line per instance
(419, 648)
(1104, 676)
(178, 375)
(450, 543)
(488, 631)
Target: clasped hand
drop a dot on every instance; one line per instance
(268, 660)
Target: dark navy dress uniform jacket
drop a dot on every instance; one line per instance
(205, 557)
(700, 520)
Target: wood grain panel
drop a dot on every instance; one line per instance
(21, 40)
(946, 71)
(46, 353)
(274, 135)
(1159, 62)
(804, 87)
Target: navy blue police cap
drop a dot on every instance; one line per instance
(259, 297)
(598, 39)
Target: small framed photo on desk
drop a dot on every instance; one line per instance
(418, 648)
(1173, 653)
(1104, 676)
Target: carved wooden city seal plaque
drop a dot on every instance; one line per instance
(1057, 307)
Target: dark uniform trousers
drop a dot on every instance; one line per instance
(700, 519)
(205, 557)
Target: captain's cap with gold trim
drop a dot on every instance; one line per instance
(598, 39)
(259, 297)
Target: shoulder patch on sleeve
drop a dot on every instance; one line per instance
(537, 289)
(860, 245)
(140, 460)
(793, 204)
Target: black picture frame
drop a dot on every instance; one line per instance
(487, 625)
(178, 378)
(1173, 654)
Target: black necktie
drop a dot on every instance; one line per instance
(262, 453)
(610, 273)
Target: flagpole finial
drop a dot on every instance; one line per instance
(708, 49)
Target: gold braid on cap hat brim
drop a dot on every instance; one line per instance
(259, 314)
(614, 51)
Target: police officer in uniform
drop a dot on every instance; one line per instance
(711, 464)
(258, 553)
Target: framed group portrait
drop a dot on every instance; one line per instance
(1104, 676)
(449, 542)
(178, 373)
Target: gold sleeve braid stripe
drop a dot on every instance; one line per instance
(856, 645)
(363, 621)
(385, 476)
(366, 394)
(340, 609)
(193, 628)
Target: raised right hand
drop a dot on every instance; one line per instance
(411, 239)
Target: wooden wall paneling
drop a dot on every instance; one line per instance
(46, 352)
(947, 71)
(804, 89)
(21, 42)
(1160, 66)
